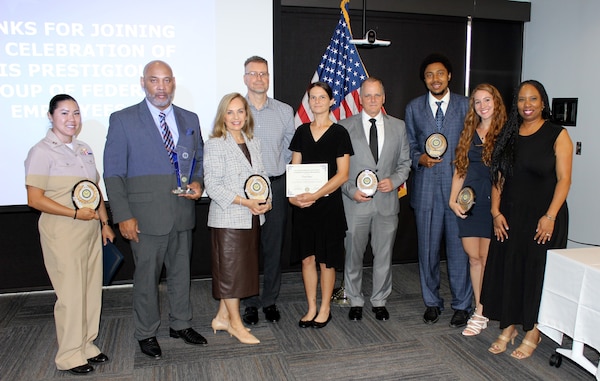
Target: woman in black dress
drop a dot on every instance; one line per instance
(531, 174)
(318, 220)
(483, 123)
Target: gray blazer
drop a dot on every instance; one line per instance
(394, 162)
(225, 172)
(138, 174)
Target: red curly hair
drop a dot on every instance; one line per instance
(472, 120)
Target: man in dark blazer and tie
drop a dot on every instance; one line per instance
(438, 111)
(381, 145)
(139, 173)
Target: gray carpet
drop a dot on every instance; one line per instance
(403, 348)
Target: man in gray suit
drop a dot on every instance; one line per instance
(381, 145)
(139, 172)
(438, 111)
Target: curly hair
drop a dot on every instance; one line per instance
(472, 120)
(219, 129)
(503, 156)
(434, 58)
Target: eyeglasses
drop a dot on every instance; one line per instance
(259, 74)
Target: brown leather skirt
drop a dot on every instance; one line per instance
(235, 261)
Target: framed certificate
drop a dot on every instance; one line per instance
(305, 178)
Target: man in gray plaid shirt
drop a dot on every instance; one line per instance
(274, 126)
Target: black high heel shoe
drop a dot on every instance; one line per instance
(306, 323)
(316, 324)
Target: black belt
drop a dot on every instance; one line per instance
(273, 178)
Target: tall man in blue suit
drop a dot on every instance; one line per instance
(432, 179)
(140, 176)
(375, 215)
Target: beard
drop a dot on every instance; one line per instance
(153, 99)
(439, 92)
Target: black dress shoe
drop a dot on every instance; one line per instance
(189, 336)
(100, 359)
(150, 347)
(82, 369)
(306, 323)
(251, 315)
(355, 313)
(432, 315)
(316, 324)
(459, 319)
(272, 313)
(381, 313)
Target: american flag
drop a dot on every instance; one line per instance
(342, 69)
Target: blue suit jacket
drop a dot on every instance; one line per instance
(139, 175)
(420, 123)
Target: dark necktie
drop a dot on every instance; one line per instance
(166, 135)
(373, 140)
(439, 115)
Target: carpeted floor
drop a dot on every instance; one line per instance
(403, 348)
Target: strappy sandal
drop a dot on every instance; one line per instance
(520, 354)
(475, 325)
(501, 343)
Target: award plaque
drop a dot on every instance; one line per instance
(367, 181)
(86, 195)
(256, 187)
(466, 198)
(436, 145)
(184, 161)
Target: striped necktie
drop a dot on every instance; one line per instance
(166, 136)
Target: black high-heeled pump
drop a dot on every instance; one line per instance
(317, 324)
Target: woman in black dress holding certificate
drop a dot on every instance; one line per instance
(319, 224)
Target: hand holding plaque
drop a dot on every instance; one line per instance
(436, 145)
(184, 161)
(466, 199)
(256, 187)
(86, 195)
(367, 181)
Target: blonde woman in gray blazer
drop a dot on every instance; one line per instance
(231, 155)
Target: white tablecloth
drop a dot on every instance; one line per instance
(571, 300)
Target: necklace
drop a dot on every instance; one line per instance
(481, 136)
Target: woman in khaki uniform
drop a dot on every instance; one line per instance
(71, 238)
